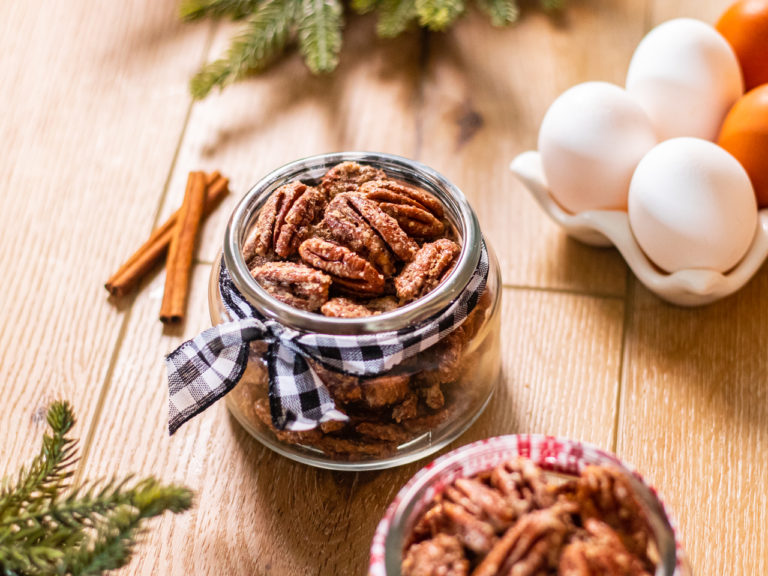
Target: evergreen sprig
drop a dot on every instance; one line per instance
(316, 26)
(48, 526)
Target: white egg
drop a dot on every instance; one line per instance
(686, 77)
(691, 205)
(590, 142)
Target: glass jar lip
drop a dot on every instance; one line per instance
(451, 196)
(553, 454)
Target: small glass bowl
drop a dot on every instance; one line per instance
(467, 379)
(558, 457)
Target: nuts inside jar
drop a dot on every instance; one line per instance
(373, 237)
(511, 520)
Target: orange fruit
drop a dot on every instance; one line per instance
(745, 26)
(745, 135)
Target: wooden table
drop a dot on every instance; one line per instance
(98, 135)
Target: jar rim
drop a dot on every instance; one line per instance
(414, 172)
(554, 455)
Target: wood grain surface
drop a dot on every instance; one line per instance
(99, 135)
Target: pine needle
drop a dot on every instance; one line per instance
(364, 6)
(501, 12)
(235, 9)
(394, 17)
(438, 14)
(320, 34)
(48, 527)
(263, 38)
(552, 4)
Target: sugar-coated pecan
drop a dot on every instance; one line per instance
(349, 271)
(599, 552)
(284, 221)
(440, 556)
(382, 304)
(381, 431)
(455, 520)
(344, 388)
(414, 220)
(430, 265)
(433, 396)
(295, 284)
(407, 409)
(344, 224)
(394, 192)
(532, 546)
(347, 177)
(484, 502)
(387, 227)
(605, 493)
(523, 485)
(441, 363)
(385, 390)
(346, 308)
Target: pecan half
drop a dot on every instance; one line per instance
(599, 552)
(343, 387)
(532, 546)
(348, 270)
(394, 192)
(455, 520)
(523, 485)
(429, 266)
(284, 221)
(605, 493)
(385, 390)
(347, 177)
(440, 556)
(387, 227)
(346, 308)
(295, 284)
(345, 225)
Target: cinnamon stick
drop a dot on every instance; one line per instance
(182, 249)
(152, 251)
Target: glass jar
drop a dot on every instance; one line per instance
(465, 366)
(559, 458)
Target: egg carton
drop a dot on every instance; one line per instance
(690, 287)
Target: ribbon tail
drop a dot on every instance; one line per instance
(206, 368)
(298, 399)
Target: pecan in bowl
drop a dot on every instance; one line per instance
(527, 505)
(356, 244)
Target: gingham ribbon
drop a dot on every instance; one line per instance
(204, 369)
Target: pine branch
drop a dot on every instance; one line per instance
(195, 9)
(438, 14)
(263, 38)
(88, 530)
(320, 26)
(394, 17)
(501, 12)
(364, 6)
(552, 4)
(50, 469)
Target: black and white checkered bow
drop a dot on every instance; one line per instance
(204, 369)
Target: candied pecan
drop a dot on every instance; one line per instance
(440, 556)
(398, 241)
(429, 266)
(347, 177)
(385, 390)
(604, 493)
(488, 503)
(599, 552)
(380, 431)
(344, 388)
(453, 519)
(522, 484)
(295, 284)
(348, 270)
(311, 437)
(383, 304)
(407, 409)
(284, 221)
(393, 192)
(414, 220)
(354, 449)
(433, 396)
(344, 224)
(346, 308)
(532, 546)
(441, 363)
